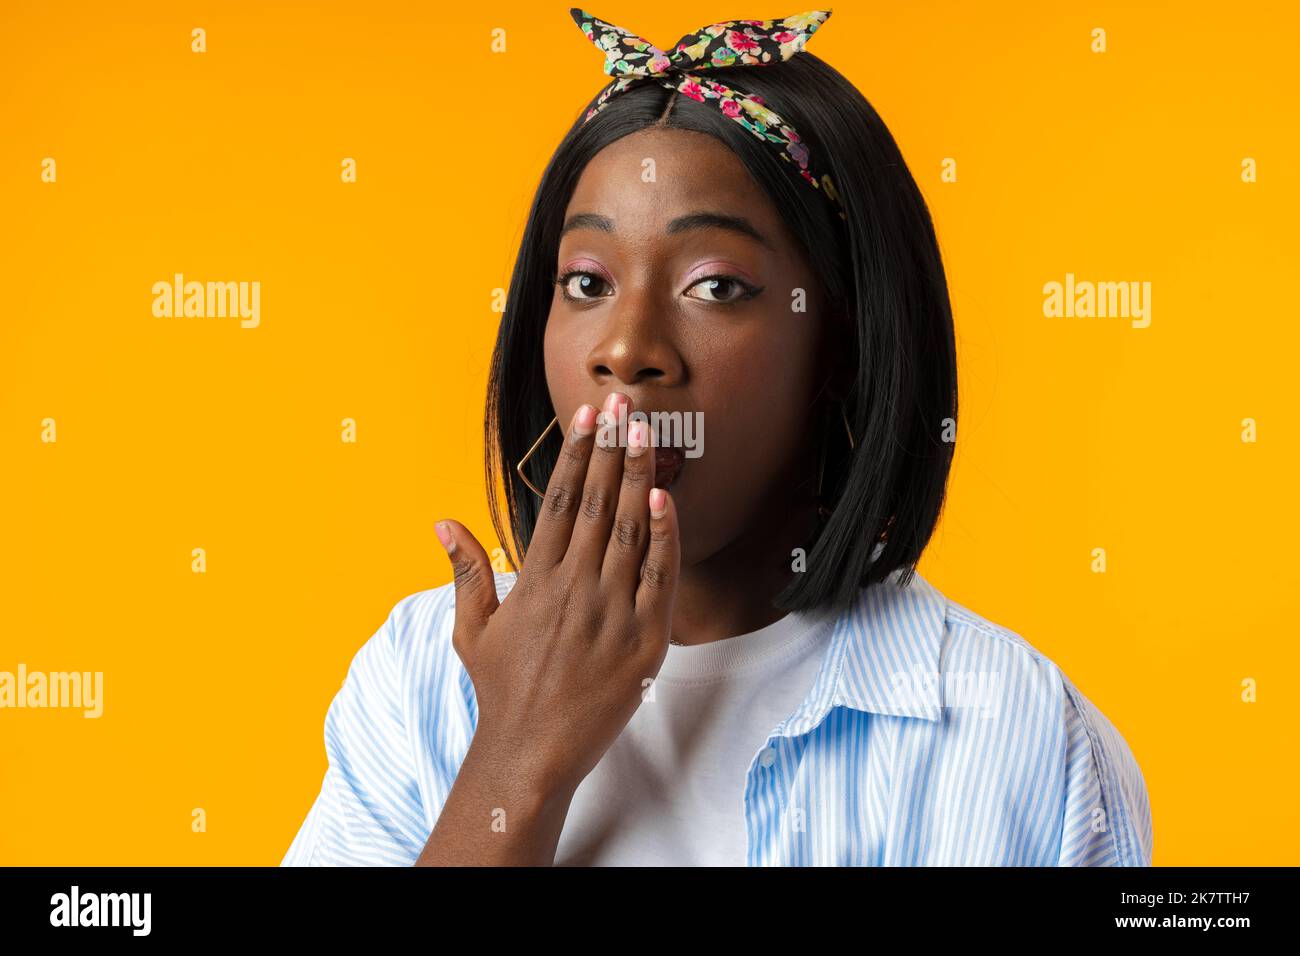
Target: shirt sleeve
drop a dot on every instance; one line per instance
(368, 811)
(1107, 816)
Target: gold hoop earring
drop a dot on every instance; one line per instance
(822, 510)
(523, 461)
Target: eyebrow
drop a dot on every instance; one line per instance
(695, 220)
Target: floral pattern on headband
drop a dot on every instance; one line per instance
(632, 59)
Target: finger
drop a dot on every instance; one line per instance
(475, 584)
(627, 540)
(595, 514)
(554, 525)
(659, 573)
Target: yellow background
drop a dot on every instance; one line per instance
(376, 305)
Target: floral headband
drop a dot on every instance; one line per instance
(733, 43)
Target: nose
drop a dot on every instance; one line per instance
(636, 346)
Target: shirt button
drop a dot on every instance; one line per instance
(767, 757)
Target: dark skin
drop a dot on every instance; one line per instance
(660, 312)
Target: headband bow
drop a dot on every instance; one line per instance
(633, 59)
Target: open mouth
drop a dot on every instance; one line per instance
(668, 465)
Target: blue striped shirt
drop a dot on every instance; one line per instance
(929, 737)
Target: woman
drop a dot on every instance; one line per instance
(718, 653)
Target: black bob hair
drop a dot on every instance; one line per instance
(881, 269)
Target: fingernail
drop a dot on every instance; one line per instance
(612, 403)
(443, 531)
(584, 423)
(636, 439)
(658, 502)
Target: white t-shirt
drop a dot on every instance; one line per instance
(670, 790)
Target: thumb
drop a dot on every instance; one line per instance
(476, 586)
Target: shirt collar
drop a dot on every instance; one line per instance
(883, 656)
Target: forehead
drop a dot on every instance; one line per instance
(651, 176)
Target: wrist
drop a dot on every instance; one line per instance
(530, 782)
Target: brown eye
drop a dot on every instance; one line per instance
(721, 289)
(582, 285)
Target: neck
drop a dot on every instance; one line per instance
(731, 591)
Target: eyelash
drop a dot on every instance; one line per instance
(747, 291)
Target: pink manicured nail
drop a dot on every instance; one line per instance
(658, 502)
(636, 439)
(443, 530)
(584, 423)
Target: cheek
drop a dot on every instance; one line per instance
(562, 358)
(754, 446)
(759, 395)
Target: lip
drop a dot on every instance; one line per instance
(669, 463)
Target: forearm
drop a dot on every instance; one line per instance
(497, 814)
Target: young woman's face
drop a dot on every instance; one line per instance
(680, 287)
